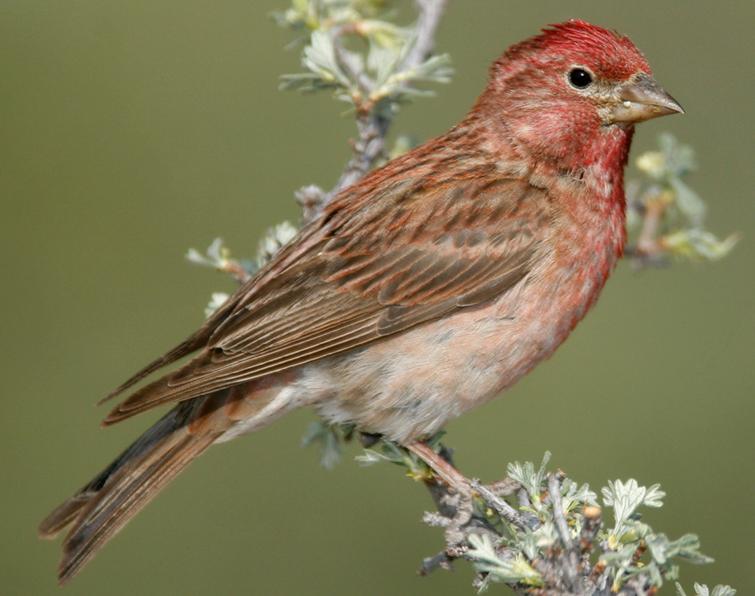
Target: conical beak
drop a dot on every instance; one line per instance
(642, 99)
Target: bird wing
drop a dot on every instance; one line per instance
(378, 264)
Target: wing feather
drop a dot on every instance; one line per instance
(362, 281)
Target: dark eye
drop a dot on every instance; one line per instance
(580, 78)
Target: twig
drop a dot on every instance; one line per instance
(310, 198)
(649, 249)
(554, 490)
(372, 123)
(500, 506)
(236, 270)
(647, 243)
(568, 560)
(365, 84)
(430, 13)
(590, 528)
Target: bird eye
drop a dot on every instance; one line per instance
(580, 78)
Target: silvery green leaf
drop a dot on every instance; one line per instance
(215, 256)
(650, 574)
(436, 69)
(525, 474)
(434, 440)
(385, 451)
(658, 546)
(319, 57)
(653, 163)
(194, 256)
(688, 202)
(217, 299)
(699, 244)
(702, 590)
(304, 81)
(216, 250)
(393, 452)
(573, 496)
(619, 557)
(275, 238)
(546, 535)
(385, 34)
(326, 437)
(654, 496)
(686, 547)
(399, 86)
(516, 569)
(354, 62)
(671, 573)
(382, 62)
(625, 498)
(370, 457)
(481, 548)
(656, 575)
(528, 543)
(680, 158)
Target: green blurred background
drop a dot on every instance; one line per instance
(130, 131)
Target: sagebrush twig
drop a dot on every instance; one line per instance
(373, 123)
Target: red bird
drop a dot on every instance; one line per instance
(422, 291)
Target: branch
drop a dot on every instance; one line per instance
(665, 216)
(539, 532)
(493, 497)
(374, 83)
(372, 121)
(569, 565)
(430, 13)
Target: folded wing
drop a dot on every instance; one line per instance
(409, 256)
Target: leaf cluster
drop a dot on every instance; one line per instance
(359, 56)
(681, 211)
(529, 553)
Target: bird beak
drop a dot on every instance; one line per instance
(642, 99)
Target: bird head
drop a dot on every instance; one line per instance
(556, 92)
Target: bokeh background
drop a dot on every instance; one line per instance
(130, 131)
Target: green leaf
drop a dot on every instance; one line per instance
(702, 590)
(327, 437)
(532, 480)
(274, 239)
(697, 244)
(512, 570)
(625, 498)
(687, 547)
(688, 202)
(217, 299)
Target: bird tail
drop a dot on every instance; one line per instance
(101, 508)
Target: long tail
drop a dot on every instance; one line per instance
(102, 507)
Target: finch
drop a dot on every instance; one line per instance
(424, 290)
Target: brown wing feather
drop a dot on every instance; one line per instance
(372, 271)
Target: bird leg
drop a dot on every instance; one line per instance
(442, 468)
